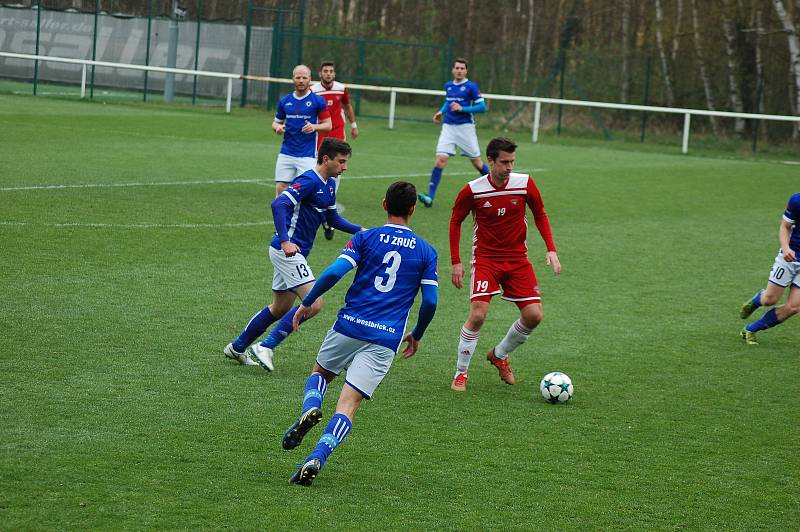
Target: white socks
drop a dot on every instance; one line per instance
(515, 337)
(467, 342)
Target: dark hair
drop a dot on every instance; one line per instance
(461, 60)
(326, 63)
(333, 147)
(400, 197)
(498, 144)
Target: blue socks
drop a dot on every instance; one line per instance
(436, 177)
(255, 328)
(338, 428)
(314, 392)
(485, 169)
(769, 319)
(283, 329)
(756, 301)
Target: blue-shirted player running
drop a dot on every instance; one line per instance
(463, 99)
(300, 115)
(393, 264)
(297, 212)
(785, 273)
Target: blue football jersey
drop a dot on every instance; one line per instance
(465, 93)
(792, 215)
(311, 197)
(392, 263)
(295, 112)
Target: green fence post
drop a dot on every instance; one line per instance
(276, 60)
(646, 94)
(147, 50)
(197, 49)
(448, 59)
(38, 31)
(563, 55)
(360, 73)
(246, 69)
(759, 92)
(94, 45)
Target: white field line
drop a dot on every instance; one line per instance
(259, 181)
(135, 226)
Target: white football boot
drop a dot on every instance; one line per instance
(262, 355)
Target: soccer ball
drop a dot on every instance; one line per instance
(556, 387)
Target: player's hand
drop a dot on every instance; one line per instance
(278, 128)
(308, 128)
(552, 258)
(457, 276)
(354, 132)
(289, 248)
(437, 117)
(303, 312)
(455, 107)
(789, 255)
(411, 348)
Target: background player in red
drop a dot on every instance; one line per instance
(338, 99)
(499, 256)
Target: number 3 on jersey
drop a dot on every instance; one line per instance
(393, 260)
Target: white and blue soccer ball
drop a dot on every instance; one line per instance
(556, 387)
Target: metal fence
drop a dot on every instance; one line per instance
(393, 92)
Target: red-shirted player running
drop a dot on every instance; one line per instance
(499, 255)
(338, 99)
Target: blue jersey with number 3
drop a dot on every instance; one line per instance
(392, 263)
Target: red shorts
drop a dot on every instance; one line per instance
(516, 277)
(337, 133)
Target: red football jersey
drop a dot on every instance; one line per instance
(336, 97)
(500, 227)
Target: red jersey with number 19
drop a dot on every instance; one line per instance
(500, 226)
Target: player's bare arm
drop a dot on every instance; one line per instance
(278, 127)
(412, 345)
(457, 276)
(303, 312)
(784, 233)
(323, 126)
(351, 117)
(455, 107)
(551, 259)
(289, 248)
(437, 118)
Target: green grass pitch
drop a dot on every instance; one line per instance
(133, 248)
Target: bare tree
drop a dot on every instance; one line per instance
(698, 49)
(733, 65)
(528, 42)
(663, 55)
(676, 33)
(626, 39)
(794, 53)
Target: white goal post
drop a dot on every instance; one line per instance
(393, 91)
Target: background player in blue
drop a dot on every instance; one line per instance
(297, 212)
(393, 265)
(785, 273)
(462, 100)
(298, 118)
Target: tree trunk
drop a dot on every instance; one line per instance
(759, 104)
(663, 55)
(676, 33)
(528, 42)
(794, 54)
(733, 66)
(626, 39)
(698, 49)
